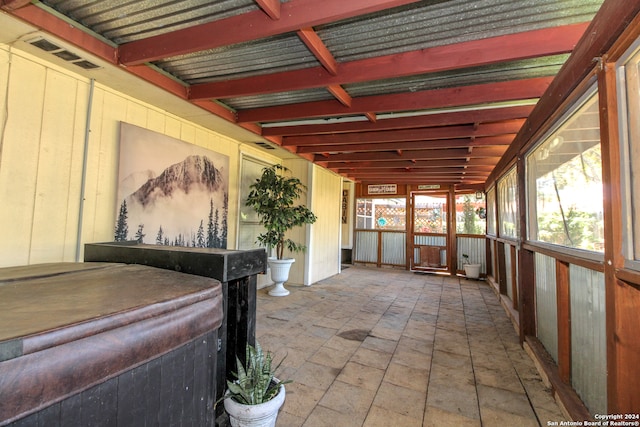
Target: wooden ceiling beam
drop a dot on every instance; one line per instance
(529, 44)
(425, 120)
(248, 26)
(270, 7)
(404, 176)
(422, 134)
(10, 5)
(341, 95)
(372, 117)
(409, 145)
(429, 163)
(417, 180)
(310, 38)
(442, 171)
(451, 153)
(52, 24)
(478, 170)
(422, 100)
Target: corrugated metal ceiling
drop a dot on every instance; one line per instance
(281, 76)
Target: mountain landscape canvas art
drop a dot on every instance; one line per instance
(170, 192)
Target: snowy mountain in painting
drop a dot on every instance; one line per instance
(178, 200)
(195, 173)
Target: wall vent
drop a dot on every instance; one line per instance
(264, 145)
(62, 53)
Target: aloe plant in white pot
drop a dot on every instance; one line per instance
(255, 397)
(273, 197)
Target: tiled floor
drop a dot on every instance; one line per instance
(373, 347)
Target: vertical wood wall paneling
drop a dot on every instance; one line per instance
(20, 153)
(42, 157)
(564, 321)
(546, 304)
(622, 320)
(588, 337)
(57, 144)
(514, 277)
(493, 245)
(489, 254)
(527, 279)
(325, 233)
(508, 269)
(502, 269)
(452, 249)
(300, 170)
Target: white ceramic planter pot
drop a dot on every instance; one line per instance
(262, 415)
(279, 274)
(472, 271)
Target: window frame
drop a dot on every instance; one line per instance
(499, 214)
(531, 194)
(255, 222)
(374, 222)
(626, 169)
(492, 210)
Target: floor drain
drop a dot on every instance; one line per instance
(354, 334)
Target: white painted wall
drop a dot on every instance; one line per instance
(324, 241)
(43, 111)
(43, 116)
(301, 170)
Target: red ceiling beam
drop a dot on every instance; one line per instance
(451, 153)
(529, 44)
(294, 15)
(319, 50)
(417, 180)
(270, 7)
(422, 100)
(429, 163)
(415, 177)
(420, 134)
(10, 5)
(341, 95)
(445, 170)
(427, 120)
(460, 167)
(62, 30)
(411, 174)
(409, 145)
(220, 111)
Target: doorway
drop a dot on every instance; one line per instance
(429, 232)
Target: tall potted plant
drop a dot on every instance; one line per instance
(273, 197)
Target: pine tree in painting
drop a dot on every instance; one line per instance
(210, 237)
(122, 229)
(139, 234)
(216, 230)
(160, 237)
(200, 242)
(223, 227)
